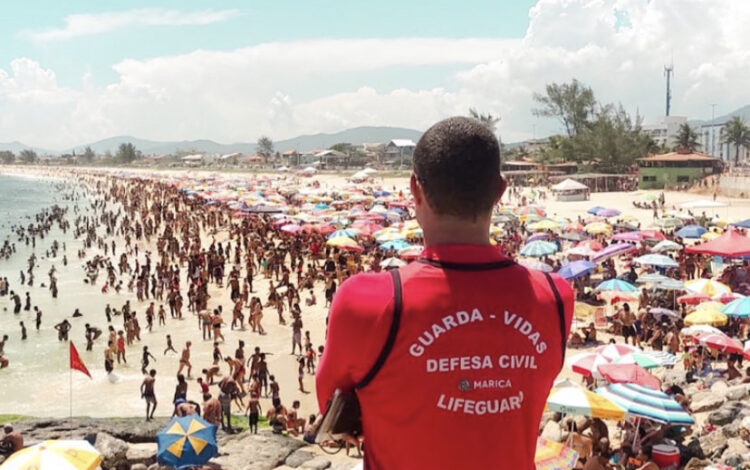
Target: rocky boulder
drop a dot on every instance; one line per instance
(706, 401)
(114, 451)
(736, 392)
(713, 445)
(736, 452)
(141, 453)
(263, 451)
(727, 413)
(697, 464)
(318, 463)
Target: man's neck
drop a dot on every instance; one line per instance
(457, 232)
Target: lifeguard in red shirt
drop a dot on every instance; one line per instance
(453, 357)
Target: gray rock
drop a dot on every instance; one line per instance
(719, 387)
(736, 452)
(144, 453)
(736, 392)
(263, 451)
(673, 377)
(713, 444)
(318, 463)
(726, 414)
(298, 457)
(552, 431)
(731, 430)
(114, 451)
(706, 401)
(131, 430)
(138, 466)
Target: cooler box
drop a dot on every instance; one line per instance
(666, 456)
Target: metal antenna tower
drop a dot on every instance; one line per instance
(668, 72)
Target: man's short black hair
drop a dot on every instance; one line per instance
(457, 163)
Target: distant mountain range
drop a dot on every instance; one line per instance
(355, 136)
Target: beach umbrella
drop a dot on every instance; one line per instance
(291, 228)
(570, 398)
(186, 441)
(696, 330)
(574, 227)
(580, 251)
(628, 236)
(737, 308)
(388, 235)
(543, 225)
(593, 245)
(706, 317)
(708, 236)
(746, 350)
(366, 228)
(727, 297)
(670, 284)
(657, 260)
(587, 364)
(343, 233)
(344, 243)
(323, 229)
(708, 287)
(721, 343)
(691, 231)
(692, 299)
(410, 253)
(669, 222)
(629, 373)
(576, 269)
(538, 248)
(647, 403)
(730, 244)
(649, 234)
(710, 305)
(652, 278)
(572, 236)
(612, 250)
(583, 310)
(647, 359)
(526, 211)
(536, 236)
(613, 351)
(743, 224)
(598, 228)
(551, 455)
(537, 266)
(594, 210)
(660, 313)
(616, 285)
(666, 245)
(606, 212)
(55, 455)
(394, 245)
(392, 263)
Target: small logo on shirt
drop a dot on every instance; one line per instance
(464, 385)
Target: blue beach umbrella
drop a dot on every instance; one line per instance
(186, 442)
(576, 269)
(346, 232)
(657, 260)
(395, 245)
(647, 403)
(538, 248)
(691, 231)
(737, 308)
(744, 224)
(616, 284)
(594, 210)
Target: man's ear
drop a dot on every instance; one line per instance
(502, 186)
(416, 189)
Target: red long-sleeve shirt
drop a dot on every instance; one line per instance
(474, 358)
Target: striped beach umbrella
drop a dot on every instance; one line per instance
(666, 245)
(613, 351)
(587, 364)
(615, 249)
(569, 398)
(647, 403)
(642, 359)
(708, 287)
(616, 284)
(737, 308)
(57, 455)
(538, 248)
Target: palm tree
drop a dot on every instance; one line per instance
(686, 139)
(488, 120)
(737, 133)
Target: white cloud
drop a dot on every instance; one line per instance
(278, 88)
(99, 23)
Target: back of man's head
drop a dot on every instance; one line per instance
(457, 164)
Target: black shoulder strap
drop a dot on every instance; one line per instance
(391, 339)
(560, 313)
(467, 266)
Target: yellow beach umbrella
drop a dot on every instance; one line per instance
(708, 236)
(545, 224)
(712, 305)
(706, 317)
(598, 227)
(55, 455)
(344, 243)
(584, 310)
(570, 398)
(708, 287)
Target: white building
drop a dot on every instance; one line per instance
(711, 138)
(665, 131)
(399, 150)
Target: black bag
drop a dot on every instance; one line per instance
(343, 415)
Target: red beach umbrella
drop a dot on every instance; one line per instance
(629, 373)
(721, 342)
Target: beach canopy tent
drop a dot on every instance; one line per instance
(570, 190)
(730, 244)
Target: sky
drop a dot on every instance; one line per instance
(84, 70)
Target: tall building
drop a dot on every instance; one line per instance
(665, 131)
(711, 138)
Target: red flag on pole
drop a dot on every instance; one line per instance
(75, 361)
